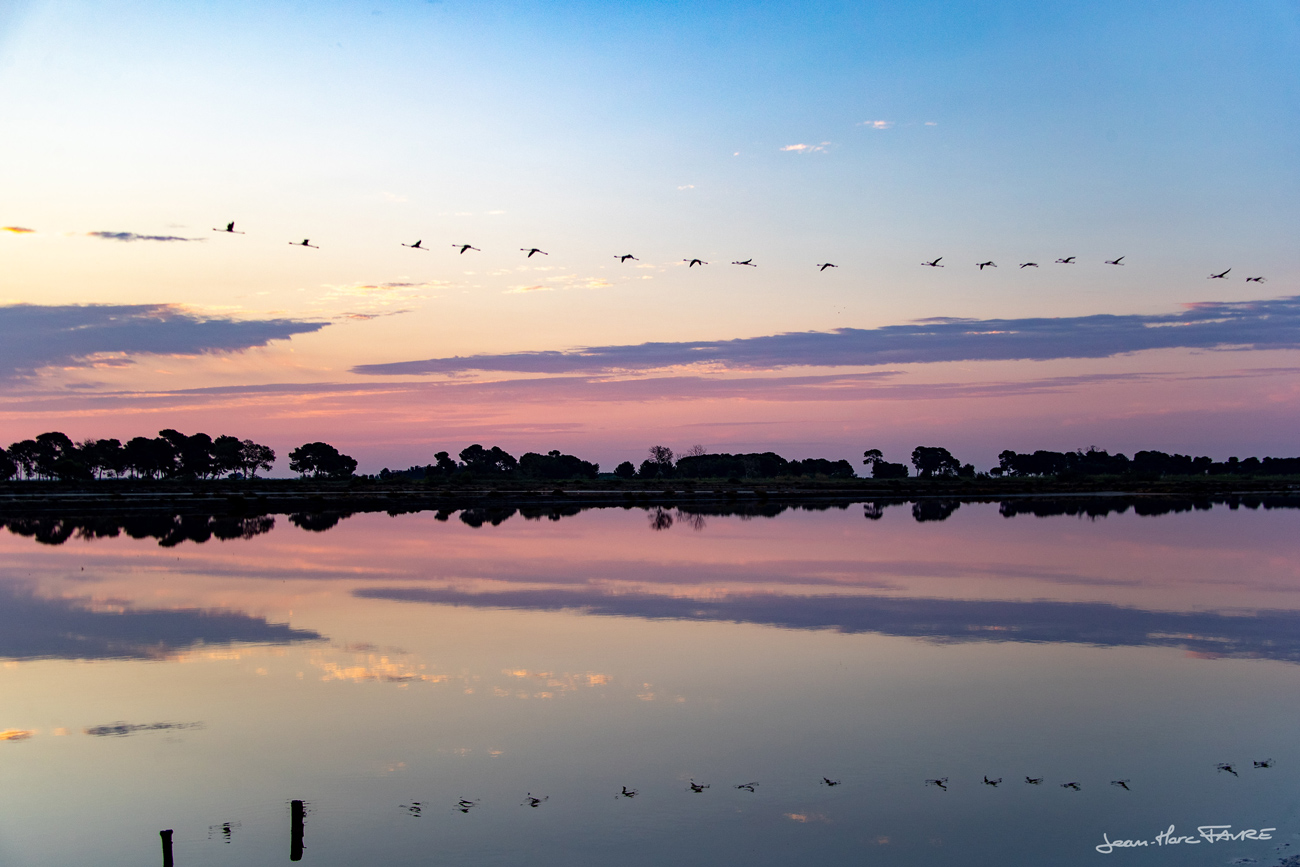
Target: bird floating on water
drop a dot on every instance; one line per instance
(749, 262)
(230, 229)
(625, 257)
(1221, 276)
(983, 265)
(934, 264)
(531, 250)
(824, 265)
(306, 242)
(1119, 261)
(464, 247)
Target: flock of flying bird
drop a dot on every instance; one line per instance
(464, 805)
(691, 263)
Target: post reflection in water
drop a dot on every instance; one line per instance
(167, 848)
(380, 661)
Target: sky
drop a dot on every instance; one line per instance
(871, 136)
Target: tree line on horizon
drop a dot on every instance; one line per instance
(174, 455)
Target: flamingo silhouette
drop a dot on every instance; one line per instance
(994, 783)
(627, 793)
(1224, 766)
(1255, 280)
(1068, 260)
(416, 245)
(1119, 261)
(694, 262)
(697, 788)
(748, 787)
(942, 783)
(934, 264)
(1123, 784)
(824, 265)
(622, 259)
(464, 247)
(983, 265)
(827, 781)
(531, 250)
(230, 228)
(1074, 786)
(306, 242)
(1267, 763)
(1034, 781)
(1028, 264)
(749, 262)
(1221, 276)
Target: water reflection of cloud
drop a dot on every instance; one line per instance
(123, 729)
(33, 627)
(1263, 634)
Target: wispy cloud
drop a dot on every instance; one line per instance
(17, 230)
(520, 290)
(33, 337)
(806, 148)
(687, 187)
(132, 236)
(1272, 324)
(877, 124)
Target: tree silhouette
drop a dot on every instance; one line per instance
(321, 460)
(934, 461)
(625, 470)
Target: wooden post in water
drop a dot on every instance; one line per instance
(167, 847)
(298, 814)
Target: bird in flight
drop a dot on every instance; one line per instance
(1034, 781)
(1074, 786)
(464, 247)
(983, 265)
(942, 783)
(306, 242)
(749, 262)
(530, 801)
(1068, 260)
(531, 250)
(1224, 766)
(1267, 763)
(1123, 784)
(697, 788)
(1221, 276)
(934, 264)
(993, 783)
(1119, 261)
(694, 262)
(748, 787)
(465, 805)
(625, 257)
(230, 227)
(627, 793)
(416, 245)
(1254, 279)
(824, 265)
(1028, 264)
(827, 781)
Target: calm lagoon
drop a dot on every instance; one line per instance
(415, 680)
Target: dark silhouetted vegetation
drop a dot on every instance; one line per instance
(170, 455)
(321, 460)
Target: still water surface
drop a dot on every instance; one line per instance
(415, 681)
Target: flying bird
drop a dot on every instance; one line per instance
(531, 250)
(1074, 786)
(1267, 763)
(827, 781)
(824, 265)
(993, 783)
(530, 801)
(464, 247)
(749, 262)
(306, 242)
(1034, 781)
(1123, 784)
(416, 245)
(622, 259)
(697, 788)
(1119, 261)
(1028, 264)
(934, 264)
(942, 783)
(983, 265)
(627, 793)
(1068, 260)
(230, 227)
(1224, 766)
(1222, 276)
(694, 262)
(1255, 280)
(465, 805)
(748, 787)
